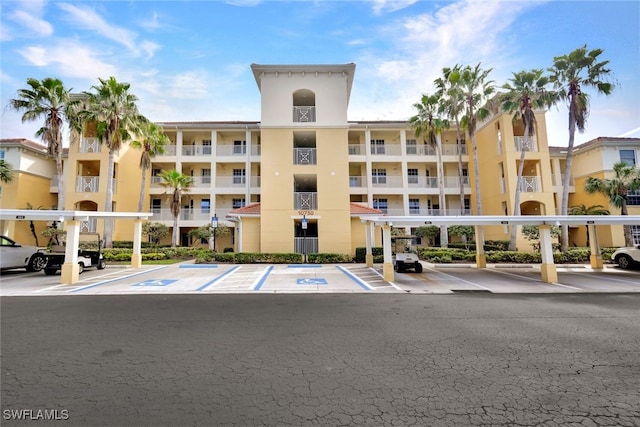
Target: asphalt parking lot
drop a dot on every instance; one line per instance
(187, 278)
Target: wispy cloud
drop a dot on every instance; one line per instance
(382, 6)
(38, 26)
(88, 19)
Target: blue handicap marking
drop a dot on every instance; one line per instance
(313, 281)
(157, 282)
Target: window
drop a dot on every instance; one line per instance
(205, 205)
(2, 154)
(156, 205)
(467, 204)
(239, 176)
(412, 147)
(635, 233)
(379, 176)
(206, 176)
(414, 206)
(380, 204)
(239, 147)
(237, 203)
(633, 198)
(413, 176)
(206, 146)
(377, 146)
(628, 156)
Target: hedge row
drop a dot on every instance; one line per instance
(572, 256)
(270, 258)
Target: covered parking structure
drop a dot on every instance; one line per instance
(72, 221)
(547, 267)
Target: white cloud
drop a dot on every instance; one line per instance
(380, 6)
(38, 26)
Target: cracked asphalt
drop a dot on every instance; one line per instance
(323, 359)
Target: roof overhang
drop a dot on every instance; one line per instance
(575, 220)
(54, 215)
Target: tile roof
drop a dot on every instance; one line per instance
(356, 209)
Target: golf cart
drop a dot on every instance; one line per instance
(89, 254)
(404, 258)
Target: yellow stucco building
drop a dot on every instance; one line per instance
(305, 162)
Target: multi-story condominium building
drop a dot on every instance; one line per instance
(305, 163)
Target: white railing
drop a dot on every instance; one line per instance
(304, 114)
(357, 149)
(89, 145)
(87, 184)
(385, 150)
(308, 243)
(530, 145)
(201, 180)
(395, 181)
(304, 156)
(387, 181)
(90, 226)
(423, 181)
(196, 150)
(427, 212)
(305, 201)
(530, 184)
(230, 181)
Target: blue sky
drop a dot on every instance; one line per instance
(190, 60)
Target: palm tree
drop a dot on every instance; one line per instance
(178, 184)
(6, 172)
(475, 89)
(627, 179)
(152, 142)
(452, 104)
(112, 108)
(426, 122)
(525, 91)
(571, 74)
(582, 209)
(49, 99)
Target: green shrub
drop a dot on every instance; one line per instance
(362, 252)
(152, 256)
(226, 250)
(328, 258)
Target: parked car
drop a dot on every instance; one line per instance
(627, 257)
(14, 255)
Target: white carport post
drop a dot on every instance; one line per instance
(548, 268)
(70, 272)
(596, 255)
(369, 241)
(387, 266)
(136, 256)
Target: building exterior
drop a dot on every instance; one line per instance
(299, 179)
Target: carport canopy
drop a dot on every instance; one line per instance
(72, 219)
(548, 269)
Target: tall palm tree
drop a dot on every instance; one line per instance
(571, 74)
(6, 172)
(452, 104)
(112, 108)
(476, 88)
(178, 184)
(50, 100)
(152, 142)
(427, 123)
(525, 91)
(616, 190)
(582, 209)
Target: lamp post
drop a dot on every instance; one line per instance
(214, 225)
(304, 237)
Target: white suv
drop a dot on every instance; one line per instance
(627, 257)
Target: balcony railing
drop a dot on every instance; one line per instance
(231, 180)
(90, 226)
(305, 201)
(308, 243)
(304, 114)
(87, 184)
(530, 184)
(202, 214)
(89, 145)
(196, 150)
(304, 156)
(395, 181)
(530, 145)
(413, 211)
(385, 150)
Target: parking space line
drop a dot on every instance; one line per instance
(220, 277)
(459, 279)
(536, 280)
(104, 282)
(260, 280)
(608, 278)
(355, 278)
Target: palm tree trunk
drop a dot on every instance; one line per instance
(108, 222)
(628, 235)
(476, 173)
(459, 146)
(444, 235)
(174, 235)
(61, 189)
(564, 238)
(516, 197)
(142, 186)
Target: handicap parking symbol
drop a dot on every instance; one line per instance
(313, 281)
(158, 282)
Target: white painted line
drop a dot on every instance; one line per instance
(458, 278)
(391, 283)
(608, 278)
(537, 280)
(50, 288)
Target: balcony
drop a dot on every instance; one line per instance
(304, 156)
(530, 145)
(306, 245)
(305, 201)
(304, 114)
(196, 150)
(530, 184)
(413, 211)
(385, 150)
(87, 184)
(90, 226)
(200, 215)
(89, 145)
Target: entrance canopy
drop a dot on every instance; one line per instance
(545, 222)
(72, 220)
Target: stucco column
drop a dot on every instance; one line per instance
(369, 243)
(481, 257)
(70, 272)
(548, 268)
(387, 266)
(594, 245)
(136, 256)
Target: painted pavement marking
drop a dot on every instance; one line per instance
(157, 282)
(311, 281)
